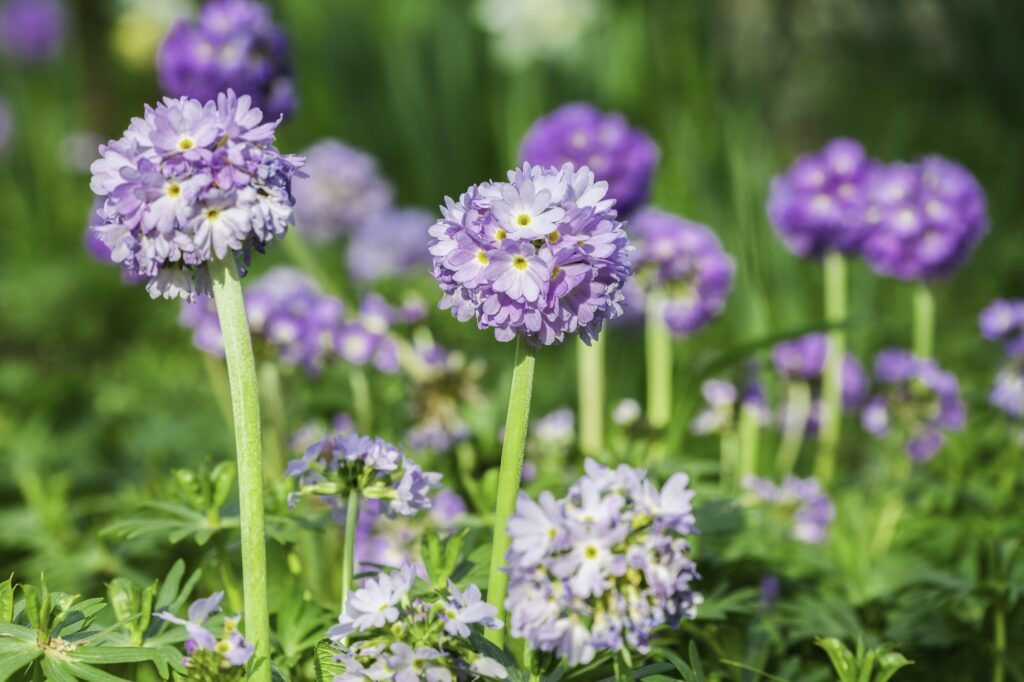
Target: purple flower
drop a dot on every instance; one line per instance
(924, 219)
(190, 183)
(554, 432)
(234, 44)
(1003, 321)
(230, 649)
(583, 135)
(32, 31)
(723, 403)
(917, 399)
(810, 510)
(818, 204)
(390, 244)
(1008, 392)
(343, 191)
(539, 256)
(603, 567)
(685, 264)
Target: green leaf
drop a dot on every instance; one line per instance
(323, 661)
(170, 584)
(749, 668)
(57, 670)
(123, 596)
(7, 600)
(17, 632)
(891, 662)
(15, 655)
(110, 654)
(90, 674)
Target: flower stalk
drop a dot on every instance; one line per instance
(348, 552)
(227, 291)
(832, 376)
(590, 386)
(509, 476)
(658, 341)
(798, 411)
(924, 320)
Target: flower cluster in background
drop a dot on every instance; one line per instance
(803, 359)
(394, 542)
(531, 31)
(32, 31)
(394, 629)
(603, 567)
(207, 657)
(723, 403)
(916, 399)
(189, 183)
(233, 44)
(539, 256)
(806, 506)
(444, 382)
(1002, 321)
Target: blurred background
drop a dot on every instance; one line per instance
(101, 390)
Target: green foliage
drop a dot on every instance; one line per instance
(877, 664)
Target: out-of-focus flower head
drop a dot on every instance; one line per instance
(233, 44)
(207, 656)
(806, 506)
(1007, 394)
(540, 256)
(684, 264)
(337, 464)
(443, 381)
(723, 403)
(389, 631)
(817, 205)
(553, 433)
(1003, 321)
(924, 219)
(140, 26)
(390, 243)
(342, 191)
(190, 183)
(583, 135)
(627, 413)
(915, 398)
(529, 31)
(32, 31)
(604, 567)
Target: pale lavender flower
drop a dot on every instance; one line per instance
(723, 403)
(539, 256)
(684, 263)
(1003, 321)
(583, 135)
(808, 508)
(627, 412)
(554, 432)
(190, 183)
(1007, 393)
(465, 608)
(390, 244)
(32, 31)
(375, 604)
(202, 646)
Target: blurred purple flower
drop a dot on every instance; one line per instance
(1003, 321)
(389, 244)
(233, 44)
(812, 510)
(32, 31)
(1008, 392)
(723, 403)
(229, 650)
(583, 135)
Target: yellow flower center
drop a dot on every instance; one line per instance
(212, 214)
(174, 190)
(500, 234)
(553, 236)
(186, 143)
(451, 614)
(223, 647)
(519, 263)
(482, 257)
(523, 219)
(590, 552)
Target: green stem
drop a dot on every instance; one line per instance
(218, 377)
(658, 342)
(245, 406)
(729, 465)
(273, 403)
(361, 402)
(348, 552)
(798, 411)
(226, 579)
(509, 476)
(832, 379)
(750, 441)
(590, 387)
(999, 642)
(924, 320)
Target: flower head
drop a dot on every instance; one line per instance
(1007, 394)
(917, 399)
(190, 183)
(1003, 321)
(723, 403)
(924, 219)
(807, 506)
(539, 256)
(684, 263)
(529, 31)
(583, 135)
(390, 244)
(207, 654)
(603, 567)
(233, 44)
(817, 205)
(32, 31)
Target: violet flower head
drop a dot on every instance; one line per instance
(553, 433)
(723, 403)
(32, 31)
(916, 399)
(190, 183)
(390, 244)
(685, 264)
(604, 567)
(807, 508)
(817, 205)
(1003, 321)
(207, 655)
(924, 219)
(233, 44)
(540, 256)
(342, 192)
(1007, 394)
(583, 135)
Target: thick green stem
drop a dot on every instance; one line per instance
(273, 402)
(798, 411)
(348, 552)
(750, 441)
(999, 642)
(658, 342)
(362, 404)
(517, 422)
(226, 578)
(832, 378)
(729, 465)
(590, 388)
(924, 320)
(245, 406)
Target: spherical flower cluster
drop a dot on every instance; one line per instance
(603, 567)
(684, 263)
(818, 204)
(802, 500)
(553, 433)
(189, 183)
(337, 464)
(342, 191)
(917, 399)
(583, 135)
(1003, 321)
(32, 31)
(206, 656)
(803, 359)
(539, 256)
(390, 244)
(528, 31)
(924, 219)
(723, 403)
(233, 44)
(390, 631)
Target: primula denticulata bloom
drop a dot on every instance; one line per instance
(603, 567)
(190, 183)
(32, 31)
(808, 507)
(207, 656)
